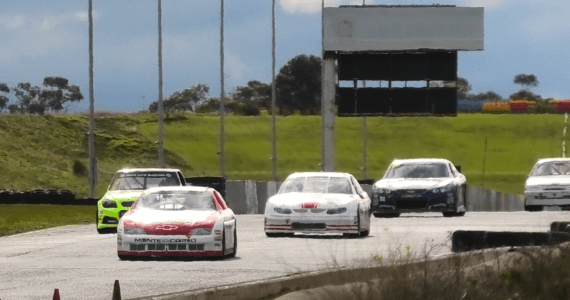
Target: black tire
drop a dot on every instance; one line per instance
(533, 208)
(233, 254)
(449, 214)
(365, 233)
(465, 199)
(355, 235)
(126, 257)
(279, 234)
(223, 245)
(386, 215)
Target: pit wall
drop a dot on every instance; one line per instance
(249, 197)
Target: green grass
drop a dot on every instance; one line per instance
(18, 218)
(42, 150)
(514, 144)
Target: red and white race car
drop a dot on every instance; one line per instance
(178, 221)
(326, 202)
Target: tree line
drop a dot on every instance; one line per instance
(297, 85)
(56, 96)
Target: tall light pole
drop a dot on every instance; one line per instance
(273, 103)
(160, 104)
(91, 133)
(222, 96)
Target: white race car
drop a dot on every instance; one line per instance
(318, 203)
(420, 185)
(178, 221)
(548, 185)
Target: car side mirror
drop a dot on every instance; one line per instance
(458, 168)
(364, 195)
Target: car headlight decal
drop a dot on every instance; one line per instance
(201, 231)
(109, 204)
(334, 211)
(133, 231)
(280, 210)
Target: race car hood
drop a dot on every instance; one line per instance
(122, 195)
(415, 183)
(311, 200)
(563, 180)
(163, 222)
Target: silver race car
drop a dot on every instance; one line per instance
(178, 221)
(548, 185)
(420, 185)
(318, 203)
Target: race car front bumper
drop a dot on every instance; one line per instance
(169, 245)
(556, 198)
(342, 223)
(426, 202)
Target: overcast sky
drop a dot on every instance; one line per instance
(50, 38)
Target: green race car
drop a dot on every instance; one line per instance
(126, 186)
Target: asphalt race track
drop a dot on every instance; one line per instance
(84, 265)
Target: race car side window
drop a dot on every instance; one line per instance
(453, 170)
(181, 178)
(357, 186)
(219, 200)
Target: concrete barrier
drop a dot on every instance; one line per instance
(489, 200)
(236, 197)
(251, 197)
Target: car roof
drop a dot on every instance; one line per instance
(177, 188)
(420, 160)
(545, 160)
(319, 174)
(147, 170)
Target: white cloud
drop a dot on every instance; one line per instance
(82, 16)
(484, 3)
(314, 6)
(50, 22)
(12, 22)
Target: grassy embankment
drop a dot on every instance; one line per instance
(18, 218)
(40, 152)
(514, 144)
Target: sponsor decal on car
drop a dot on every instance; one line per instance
(164, 241)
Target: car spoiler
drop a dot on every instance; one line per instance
(217, 183)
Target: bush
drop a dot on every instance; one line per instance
(79, 169)
(247, 109)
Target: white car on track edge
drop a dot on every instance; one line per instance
(178, 221)
(317, 203)
(548, 185)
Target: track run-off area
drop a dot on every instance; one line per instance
(83, 264)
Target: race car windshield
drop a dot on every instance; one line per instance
(329, 185)
(143, 180)
(418, 171)
(552, 169)
(177, 200)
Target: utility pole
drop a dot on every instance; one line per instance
(273, 103)
(91, 133)
(222, 97)
(160, 104)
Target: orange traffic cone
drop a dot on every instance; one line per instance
(56, 294)
(117, 291)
